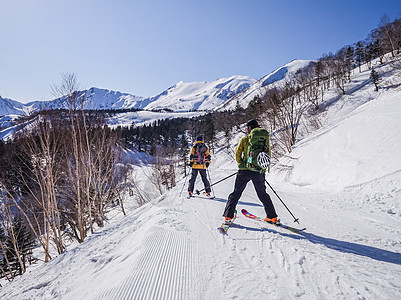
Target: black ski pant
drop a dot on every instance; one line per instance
(258, 180)
(202, 173)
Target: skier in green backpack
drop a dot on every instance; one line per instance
(253, 157)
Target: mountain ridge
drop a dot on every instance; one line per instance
(181, 97)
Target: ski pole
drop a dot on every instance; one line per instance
(198, 192)
(210, 181)
(185, 181)
(295, 219)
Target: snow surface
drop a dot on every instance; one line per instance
(140, 118)
(343, 182)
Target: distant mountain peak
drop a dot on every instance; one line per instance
(258, 88)
(183, 96)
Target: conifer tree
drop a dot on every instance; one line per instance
(375, 78)
(24, 243)
(208, 129)
(4, 263)
(184, 153)
(359, 54)
(18, 245)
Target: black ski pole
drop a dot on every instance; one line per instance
(185, 181)
(198, 192)
(295, 219)
(210, 181)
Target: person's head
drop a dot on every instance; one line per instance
(251, 124)
(199, 138)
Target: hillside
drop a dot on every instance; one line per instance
(343, 183)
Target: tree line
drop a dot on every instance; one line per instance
(58, 177)
(282, 107)
(297, 101)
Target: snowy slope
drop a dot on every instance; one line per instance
(367, 122)
(8, 126)
(368, 138)
(271, 80)
(200, 95)
(140, 118)
(343, 183)
(10, 107)
(107, 99)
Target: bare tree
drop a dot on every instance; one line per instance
(37, 204)
(93, 163)
(288, 106)
(387, 39)
(68, 91)
(389, 35)
(339, 68)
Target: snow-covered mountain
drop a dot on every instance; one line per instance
(180, 97)
(11, 107)
(223, 93)
(95, 99)
(343, 182)
(200, 95)
(271, 80)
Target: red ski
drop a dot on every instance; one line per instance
(251, 216)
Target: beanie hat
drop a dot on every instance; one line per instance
(252, 123)
(199, 138)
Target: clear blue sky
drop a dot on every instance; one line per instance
(144, 47)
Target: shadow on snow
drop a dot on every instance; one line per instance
(225, 200)
(342, 246)
(358, 249)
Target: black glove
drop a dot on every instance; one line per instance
(207, 165)
(191, 163)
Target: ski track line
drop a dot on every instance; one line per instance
(163, 271)
(208, 239)
(235, 262)
(232, 267)
(261, 263)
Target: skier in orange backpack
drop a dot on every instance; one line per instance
(199, 160)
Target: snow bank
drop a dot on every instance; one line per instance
(361, 147)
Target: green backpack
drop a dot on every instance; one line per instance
(258, 150)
